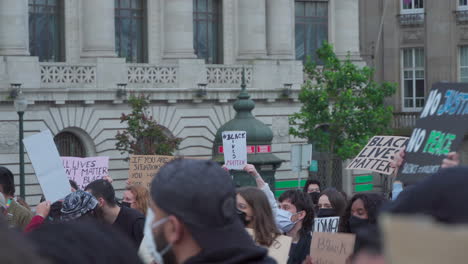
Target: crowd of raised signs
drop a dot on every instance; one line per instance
(193, 213)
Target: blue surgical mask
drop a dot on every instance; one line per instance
(397, 189)
(284, 221)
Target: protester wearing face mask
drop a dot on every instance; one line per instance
(331, 203)
(195, 217)
(361, 212)
(299, 207)
(256, 213)
(127, 220)
(136, 197)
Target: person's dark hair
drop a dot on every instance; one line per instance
(102, 189)
(372, 203)
(15, 249)
(337, 201)
(264, 226)
(312, 181)
(55, 213)
(7, 181)
(82, 242)
(302, 202)
(74, 185)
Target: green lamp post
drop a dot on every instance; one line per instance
(259, 139)
(21, 104)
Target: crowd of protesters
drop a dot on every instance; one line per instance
(192, 213)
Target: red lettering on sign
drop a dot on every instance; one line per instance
(263, 149)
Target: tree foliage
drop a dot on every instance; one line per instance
(143, 136)
(343, 107)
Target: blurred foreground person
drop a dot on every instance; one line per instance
(20, 216)
(195, 216)
(362, 211)
(256, 214)
(136, 197)
(82, 242)
(127, 220)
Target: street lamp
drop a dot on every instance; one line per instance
(20, 105)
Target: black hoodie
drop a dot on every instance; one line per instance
(250, 255)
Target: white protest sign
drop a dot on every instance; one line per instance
(235, 149)
(326, 224)
(48, 166)
(279, 250)
(86, 170)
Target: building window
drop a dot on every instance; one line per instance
(69, 145)
(413, 78)
(464, 64)
(412, 6)
(130, 30)
(311, 28)
(46, 35)
(207, 30)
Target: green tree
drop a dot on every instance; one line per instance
(143, 136)
(345, 100)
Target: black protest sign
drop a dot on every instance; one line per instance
(378, 154)
(326, 224)
(439, 131)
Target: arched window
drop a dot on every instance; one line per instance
(207, 30)
(68, 144)
(311, 27)
(46, 30)
(130, 30)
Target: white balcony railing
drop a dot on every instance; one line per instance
(228, 76)
(62, 74)
(146, 74)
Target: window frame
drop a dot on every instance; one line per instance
(60, 28)
(413, 69)
(219, 33)
(144, 29)
(462, 7)
(460, 66)
(326, 23)
(412, 10)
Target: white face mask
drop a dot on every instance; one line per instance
(284, 220)
(148, 240)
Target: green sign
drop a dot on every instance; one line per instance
(313, 166)
(364, 179)
(363, 187)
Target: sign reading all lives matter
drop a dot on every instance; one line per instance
(331, 248)
(377, 154)
(144, 167)
(235, 149)
(326, 224)
(86, 170)
(439, 130)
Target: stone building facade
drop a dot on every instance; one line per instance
(73, 70)
(415, 43)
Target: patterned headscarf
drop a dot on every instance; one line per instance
(77, 204)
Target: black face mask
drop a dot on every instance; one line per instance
(315, 197)
(243, 217)
(356, 223)
(326, 212)
(126, 204)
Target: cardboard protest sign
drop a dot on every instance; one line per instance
(331, 248)
(439, 131)
(421, 240)
(86, 170)
(47, 165)
(279, 250)
(144, 167)
(326, 224)
(377, 154)
(235, 149)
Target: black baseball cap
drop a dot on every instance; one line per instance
(201, 195)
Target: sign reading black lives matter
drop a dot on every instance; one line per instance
(439, 131)
(378, 154)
